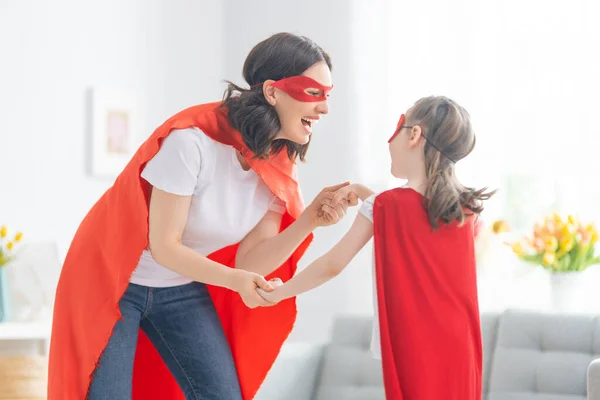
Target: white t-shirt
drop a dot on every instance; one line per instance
(227, 201)
(366, 209)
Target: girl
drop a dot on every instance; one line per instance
(427, 316)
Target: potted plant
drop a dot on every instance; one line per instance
(565, 247)
(7, 254)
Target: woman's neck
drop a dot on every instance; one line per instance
(245, 165)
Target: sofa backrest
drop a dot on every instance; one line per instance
(526, 355)
(540, 356)
(350, 372)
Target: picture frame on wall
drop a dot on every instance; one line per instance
(113, 128)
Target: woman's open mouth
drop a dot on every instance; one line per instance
(308, 123)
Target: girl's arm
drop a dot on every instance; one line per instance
(328, 265)
(264, 249)
(361, 191)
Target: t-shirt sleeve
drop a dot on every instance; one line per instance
(176, 165)
(366, 208)
(277, 205)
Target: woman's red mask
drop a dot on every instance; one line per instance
(296, 87)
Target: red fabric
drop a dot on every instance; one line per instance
(398, 127)
(106, 249)
(427, 301)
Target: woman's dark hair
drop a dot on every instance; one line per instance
(279, 56)
(449, 137)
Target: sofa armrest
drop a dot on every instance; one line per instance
(593, 380)
(295, 373)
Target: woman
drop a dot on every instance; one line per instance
(214, 187)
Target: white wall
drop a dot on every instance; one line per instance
(169, 53)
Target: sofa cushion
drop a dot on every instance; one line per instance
(543, 356)
(294, 373)
(489, 330)
(349, 370)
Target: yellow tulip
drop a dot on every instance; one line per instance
(594, 237)
(9, 245)
(571, 220)
(500, 226)
(551, 244)
(3, 231)
(592, 230)
(556, 217)
(567, 243)
(18, 236)
(517, 248)
(549, 258)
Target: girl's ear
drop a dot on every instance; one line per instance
(415, 136)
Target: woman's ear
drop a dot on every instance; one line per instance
(269, 92)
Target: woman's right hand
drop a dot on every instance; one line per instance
(345, 193)
(246, 283)
(316, 213)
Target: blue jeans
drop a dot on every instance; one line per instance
(184, 327)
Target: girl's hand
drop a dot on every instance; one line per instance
(274, 296)
(344, 195)
(246, 283)
(317, 216)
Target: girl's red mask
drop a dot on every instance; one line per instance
(399, 127)
(296, 87)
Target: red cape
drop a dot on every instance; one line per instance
(427, 301)
(106, 250)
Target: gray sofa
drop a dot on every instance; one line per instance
(527, 356)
